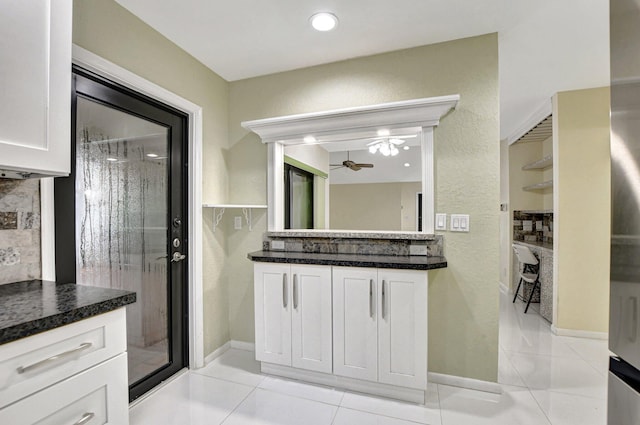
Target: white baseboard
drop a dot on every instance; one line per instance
(217, 353)
(504, 288)
(334, 381)
(241, 345)
(579, 334)
(469, 383)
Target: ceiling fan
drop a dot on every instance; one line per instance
(387, 145)
(350, 165)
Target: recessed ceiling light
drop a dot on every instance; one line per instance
(309, 139)
(112, 159)
(152, 155)
(406, 148)
(406, 164)
(324, 21)
(383, 132)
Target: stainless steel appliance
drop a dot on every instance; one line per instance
(624, 323)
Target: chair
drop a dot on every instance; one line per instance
(528, 272)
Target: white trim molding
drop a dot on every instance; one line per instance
(579, 334)
(469, 383)
(217, 352)
(245, 346)
(340, 125)
(117, 74)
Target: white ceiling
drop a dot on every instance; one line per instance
(545, 45)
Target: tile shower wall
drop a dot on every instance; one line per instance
(19, 230)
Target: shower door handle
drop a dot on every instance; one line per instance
(177, 257)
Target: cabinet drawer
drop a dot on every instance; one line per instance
(38, 361)
(96, 396)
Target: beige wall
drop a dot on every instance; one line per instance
(547, 195)
(582, 214)
(463, 306)
(521, 154)
(108, 30)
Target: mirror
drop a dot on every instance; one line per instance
(353, 185)
(342, 128)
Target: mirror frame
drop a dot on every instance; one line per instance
(335, 126)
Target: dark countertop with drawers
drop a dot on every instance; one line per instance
(414, 262)
(34, 306)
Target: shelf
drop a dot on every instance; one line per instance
(539, 186)
(540, 164)
(246, 211)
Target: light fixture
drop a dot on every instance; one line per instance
(112, 159)
(406, 148)
(324, 21)
(386, 147)
(309, 139)
(406, 164)
(383, 132)
(152, 155)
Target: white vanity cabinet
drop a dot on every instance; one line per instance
(380, 325)
(35, 82)
(293, 315)
(364, 328)
(75, 373)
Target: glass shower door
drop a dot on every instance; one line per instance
(127, 190)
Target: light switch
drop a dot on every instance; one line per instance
(459, 223)
(237, 222)
(441, 222)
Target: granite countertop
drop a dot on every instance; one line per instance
(34, 306)
(351, 234)
(351, 260)
(544, 245)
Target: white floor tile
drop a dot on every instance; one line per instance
(515, 406)
(236, 366)
(593, 351)
(572, 376)
(568, 409)
(268, 408)
(507, 374)
(356, 417)
(303, 390)
(190, 399)
(424, 414)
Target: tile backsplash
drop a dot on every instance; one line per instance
(19, 230)
(533, 226)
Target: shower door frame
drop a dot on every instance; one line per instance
(121, 76)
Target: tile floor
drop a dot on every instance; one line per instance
(547, 380)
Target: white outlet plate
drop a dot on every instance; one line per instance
(237, 222)
(441, 222)
(277, 245)
(459, 223)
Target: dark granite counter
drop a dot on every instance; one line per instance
(351, 260)
(34, 306)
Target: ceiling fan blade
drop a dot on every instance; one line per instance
(364, 165)
(396, 141)
(374, 142)
(336, 165)
(354, 167)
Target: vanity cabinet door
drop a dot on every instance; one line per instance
(311, 318)
(35, 82)
(355, 317)
(272, 291)
(402, 328)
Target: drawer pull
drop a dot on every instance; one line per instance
(295, 291)
(285, 292)
(85, 418)
(371, 298)
(41, 363)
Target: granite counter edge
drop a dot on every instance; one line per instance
(36, 326)
(346, 262)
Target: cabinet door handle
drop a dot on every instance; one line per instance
(85, 418)
(42, 363)
(384, 299)
(371, 298)
(295, 291)
(285, 295)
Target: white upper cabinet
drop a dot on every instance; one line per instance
(35, 83)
